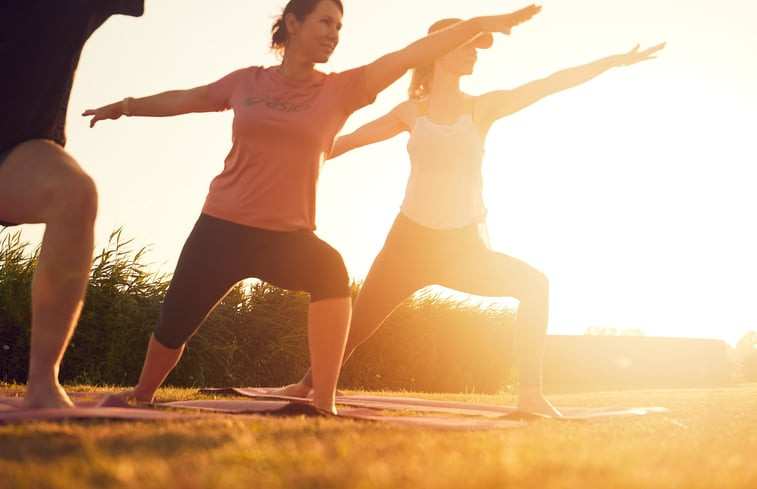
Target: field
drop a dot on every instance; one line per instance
(708, 440)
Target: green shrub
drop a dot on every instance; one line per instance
(121, 306)
(436, 344)
(16, 269)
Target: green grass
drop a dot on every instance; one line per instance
(707, 441)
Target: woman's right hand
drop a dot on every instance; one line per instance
(504, 23)
(111, 111)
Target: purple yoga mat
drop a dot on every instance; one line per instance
(278, 407)
(112, 407)
(449, 407)
(107, 406)
(459, 415)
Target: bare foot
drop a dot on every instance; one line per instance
(128, 397)
(327, 412)
(136, 396)
(46, 395)
(292, 390)
(326, 407)
(532, 401)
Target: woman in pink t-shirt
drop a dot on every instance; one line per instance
(259, 215)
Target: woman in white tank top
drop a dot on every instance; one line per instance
(439, 235)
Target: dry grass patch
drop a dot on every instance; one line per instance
(707, 441)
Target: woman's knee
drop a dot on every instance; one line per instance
(538, 283)
(542, 280)
(332, 280)
(172, 339)
(172, 330)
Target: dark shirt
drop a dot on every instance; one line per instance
(40, 44)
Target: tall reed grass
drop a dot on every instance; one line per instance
(255, 336)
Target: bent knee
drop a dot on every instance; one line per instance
(540, 281)
(542, 278)
(534, 282)
(331, 280)
(75, 197)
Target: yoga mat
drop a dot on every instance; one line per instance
(107, 406)
(449, 407)
(283, 407)
(459, 415)
(111, 406)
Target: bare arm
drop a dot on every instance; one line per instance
(498, 104)
(381, 129)
(387, 69)
(174, 102)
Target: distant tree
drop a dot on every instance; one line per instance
(746, 355)
(604, 331)
(632, 332)
(748, 342)
(601, 331)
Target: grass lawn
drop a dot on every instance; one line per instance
(707, 441)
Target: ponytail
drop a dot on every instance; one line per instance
(420, 81)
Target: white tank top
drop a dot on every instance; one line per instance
(445, 187)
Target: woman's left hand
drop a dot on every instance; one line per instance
(635, 56)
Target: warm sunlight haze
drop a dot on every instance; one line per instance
(633, 193)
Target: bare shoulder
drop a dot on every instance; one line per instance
(490, 106)
(487, 109)
(406, 112)
(486, 100)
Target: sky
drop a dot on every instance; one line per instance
(633, 193)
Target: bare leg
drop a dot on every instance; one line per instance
(489, 273)
(387, 285)
(396, 274)
(41, 183)
(159, 361)
(199, 282)
(383, 291)
(328, 325)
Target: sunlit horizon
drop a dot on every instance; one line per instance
(632, 193)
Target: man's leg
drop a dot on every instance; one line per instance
(41, 183)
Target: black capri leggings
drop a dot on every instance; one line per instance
(218, 254)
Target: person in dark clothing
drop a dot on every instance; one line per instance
(40, 45)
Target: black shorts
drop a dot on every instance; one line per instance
(3, 157)
(218, 254)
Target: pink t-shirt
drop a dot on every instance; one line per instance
(282, 132)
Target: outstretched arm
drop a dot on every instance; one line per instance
(174, 102)
(381, 129)
(498, 104)
(387, 69)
